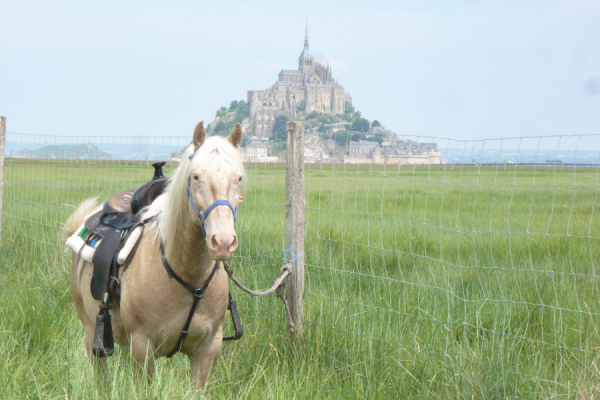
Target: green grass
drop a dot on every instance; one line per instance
(420, 282)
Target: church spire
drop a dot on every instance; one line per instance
(305, 61)
(306, 37)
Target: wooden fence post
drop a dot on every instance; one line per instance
(295, 206)
(2, 142)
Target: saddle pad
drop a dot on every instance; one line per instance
(103, 259)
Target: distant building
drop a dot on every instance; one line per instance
(361, 152)
(363, 149)
(312, 83)
(257, 152)
(400, 152)
(389, 139)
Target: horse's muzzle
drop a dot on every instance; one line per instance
(223, 246)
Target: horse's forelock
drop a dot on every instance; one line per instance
(216, 149)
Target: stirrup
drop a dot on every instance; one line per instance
(104, 344)
(235, 318)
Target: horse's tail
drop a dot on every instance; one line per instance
(76, 219)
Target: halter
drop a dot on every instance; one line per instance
(203, 215)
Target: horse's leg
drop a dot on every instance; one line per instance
(203, 362)
(143, 357)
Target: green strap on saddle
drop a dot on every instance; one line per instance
(83, 233)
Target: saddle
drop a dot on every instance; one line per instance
(109, 228)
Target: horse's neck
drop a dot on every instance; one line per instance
(188, 254)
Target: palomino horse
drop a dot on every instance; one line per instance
(153, 308)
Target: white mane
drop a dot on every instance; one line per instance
(171, 207)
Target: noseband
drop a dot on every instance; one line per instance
(203, 215)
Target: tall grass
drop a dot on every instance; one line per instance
(422, 282)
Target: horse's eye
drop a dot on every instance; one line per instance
(240, 178)
(196, 177)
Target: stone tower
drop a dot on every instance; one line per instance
(312, 83)
(306, 60)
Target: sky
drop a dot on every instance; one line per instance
(464, 70)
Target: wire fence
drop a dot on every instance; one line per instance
(481, 269)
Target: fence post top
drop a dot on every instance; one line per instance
(295, 125)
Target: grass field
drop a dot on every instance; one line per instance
(420, 282)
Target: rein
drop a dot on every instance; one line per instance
(278, 287)
(197, 292)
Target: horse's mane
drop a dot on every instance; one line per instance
(171, 207)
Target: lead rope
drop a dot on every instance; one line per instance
(278, 286)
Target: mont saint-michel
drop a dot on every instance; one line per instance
(335, 131)
(311, 84)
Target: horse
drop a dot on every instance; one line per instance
(154, 308)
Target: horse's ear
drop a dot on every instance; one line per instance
(199, 135)
(236, 136)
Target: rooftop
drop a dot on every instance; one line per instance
(364, 143)
(290, 72)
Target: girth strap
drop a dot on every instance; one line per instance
(197, 292)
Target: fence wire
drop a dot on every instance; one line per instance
(481, 269)
(484, 263)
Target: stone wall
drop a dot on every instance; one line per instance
(408, 159)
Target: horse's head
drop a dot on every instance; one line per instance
(216, 171)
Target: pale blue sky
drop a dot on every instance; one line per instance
(454, 69)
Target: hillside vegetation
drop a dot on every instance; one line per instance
(66, 151)
(226, 118)
(350, 126)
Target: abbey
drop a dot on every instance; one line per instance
(312, 84)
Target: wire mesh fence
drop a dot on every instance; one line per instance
(478, 271)
(486, 263)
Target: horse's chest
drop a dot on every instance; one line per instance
(164, 318)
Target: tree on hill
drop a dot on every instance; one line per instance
(360, 125)
(376, 123)
(377, 139)
(280, 129)
(326, 119)
(242, 112)
(357, 137)
(324, 135)
(237, 112)
(341, 137)
(348, 108)
(220, 129)
(313, 115)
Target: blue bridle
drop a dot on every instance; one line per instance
(203, 215)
